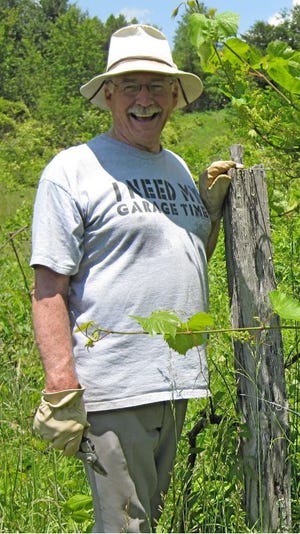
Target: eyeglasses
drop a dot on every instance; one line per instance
(133, 88)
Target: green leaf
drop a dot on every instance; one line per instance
(211, 12)
(280, 49)
(279, 72)
(79, 507)
(175, 12)
(282, 64)
(78, 502)
(180, 336)
(206, 52)
(200, 321)
(84, 327)
(285, 306)
(184, 341)
(201, 29)
(80, 516)
(212, 30)
(188, 335)
(294, 66)
(284, 72)
(237, 51)
(227, 24)
(159, 322)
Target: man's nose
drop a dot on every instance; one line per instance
(144, 92)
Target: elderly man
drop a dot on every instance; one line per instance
(120, 229)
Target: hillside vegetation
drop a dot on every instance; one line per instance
(47, 50)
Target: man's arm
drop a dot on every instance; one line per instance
(52, 329)
(213, 187)
(213, 238)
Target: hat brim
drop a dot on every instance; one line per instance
(190, 85)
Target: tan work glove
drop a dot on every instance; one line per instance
(61, 419)
(213, 186)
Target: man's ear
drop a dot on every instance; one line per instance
(175, 94)
(107, 94)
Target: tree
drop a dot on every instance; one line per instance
(47, 50)
(76, 51)
(54, 8)
(262, 33)
(19, 57)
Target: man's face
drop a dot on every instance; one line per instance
(141, 104)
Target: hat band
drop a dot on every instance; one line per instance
(143, 58)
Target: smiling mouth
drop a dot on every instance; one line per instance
(144, 114)
(144, 117)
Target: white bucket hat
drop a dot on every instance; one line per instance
(141, 48)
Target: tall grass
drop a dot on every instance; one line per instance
(36, 483)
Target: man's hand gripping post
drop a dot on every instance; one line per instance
(214, 183)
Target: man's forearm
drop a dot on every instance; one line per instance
(213, 238)
(52, 333)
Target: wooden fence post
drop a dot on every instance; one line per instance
(259, 365)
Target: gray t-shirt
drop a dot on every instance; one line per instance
(131, 234)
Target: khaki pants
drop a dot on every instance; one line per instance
(137, 447)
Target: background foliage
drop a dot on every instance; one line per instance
(47, 49)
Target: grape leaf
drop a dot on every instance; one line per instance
(159, 322)
(184, 341)
(228, 24)
(285, 306)
(188, 335)
(200, 321)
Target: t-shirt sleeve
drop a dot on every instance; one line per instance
(57, 229)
